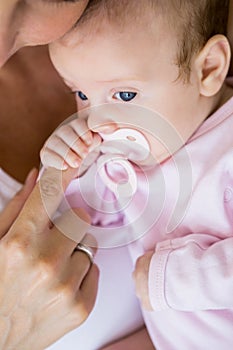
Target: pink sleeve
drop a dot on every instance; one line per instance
(192, 273)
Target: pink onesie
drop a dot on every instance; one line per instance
(183, 211)
(191, 273)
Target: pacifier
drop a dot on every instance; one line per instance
(118, 149)
(128, 142)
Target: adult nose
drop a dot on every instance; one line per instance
(8, 30)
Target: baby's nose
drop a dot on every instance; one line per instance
(103, 119)
(107, 127)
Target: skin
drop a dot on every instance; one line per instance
(55, 286)
(43, 281)
(35, 22)
(117, 70)
(12, 211)
(152, 83)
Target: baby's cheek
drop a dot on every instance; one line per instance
(158, 151)
(81, 105)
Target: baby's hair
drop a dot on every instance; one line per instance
(194, 22)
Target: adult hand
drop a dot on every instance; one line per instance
(46, 288)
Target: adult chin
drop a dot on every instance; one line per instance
(38, 23)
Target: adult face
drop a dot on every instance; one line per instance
(35, 22)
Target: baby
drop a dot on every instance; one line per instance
(150, 75)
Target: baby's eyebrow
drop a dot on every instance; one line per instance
(61, 1)
(123, 79)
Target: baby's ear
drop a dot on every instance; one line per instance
(212, 64)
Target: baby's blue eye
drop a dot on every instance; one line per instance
(125, 96)
(82, 96)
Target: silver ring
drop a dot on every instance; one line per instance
(87, 250)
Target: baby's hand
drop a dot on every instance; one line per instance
(140, 276)
(69, 145)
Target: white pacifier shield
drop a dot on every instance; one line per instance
(131, 138)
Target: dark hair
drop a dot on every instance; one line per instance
(194, 21)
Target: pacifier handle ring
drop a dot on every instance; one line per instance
(112, 185)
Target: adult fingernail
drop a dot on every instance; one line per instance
(31, 176)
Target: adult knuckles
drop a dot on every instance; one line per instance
(66, 292)
(46, 268)
(16, 247)
(24, 228)
(49, 186)
(20, 249)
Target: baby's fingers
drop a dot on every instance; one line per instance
(141, 279)
(80, 127)
(52, 159)
(71, 139)
(60, 157)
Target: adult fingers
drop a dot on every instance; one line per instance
(89, 287)
(68, 230)
(76, 270)
(13, 208)
(44, 200)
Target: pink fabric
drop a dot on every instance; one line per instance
(191, 273)
(190, 280)
(8, 188)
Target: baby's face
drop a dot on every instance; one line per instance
(130, 67)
